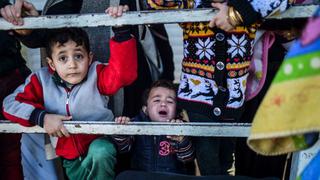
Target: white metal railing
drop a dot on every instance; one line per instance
(139, 17)
(141, 128)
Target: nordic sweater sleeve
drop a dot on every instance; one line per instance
(254, 10)
(25, 105)
(122, 68)
(184, 149)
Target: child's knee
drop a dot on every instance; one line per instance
(102, 148)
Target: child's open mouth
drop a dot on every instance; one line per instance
(163, 113)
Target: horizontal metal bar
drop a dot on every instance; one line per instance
(141, 128)
(139, 17)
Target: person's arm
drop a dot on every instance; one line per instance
(181, 145)
(123, 142)
(122, 68)
(245, 13)
(255, 10)
(36, 38)
(184, 149)
(25, 105)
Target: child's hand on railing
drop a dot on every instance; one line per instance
(53, 125)
(117, 11)
(176, 138)
(122, 120)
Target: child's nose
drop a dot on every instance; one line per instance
(72, 63)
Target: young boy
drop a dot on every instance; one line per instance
(75, 88)
(157, 153)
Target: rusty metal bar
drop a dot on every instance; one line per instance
(139, 17)
(141, 128)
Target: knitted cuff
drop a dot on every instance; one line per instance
(121, 33)
(178, 145)
(37, 117)
(248, 14)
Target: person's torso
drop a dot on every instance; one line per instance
(154, 153)
(213, 60)
(83, 102)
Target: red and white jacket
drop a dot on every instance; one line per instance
(86, 101)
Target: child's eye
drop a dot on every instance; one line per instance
(63, 58)
(156, 100)
(170, 102)
(78, 57)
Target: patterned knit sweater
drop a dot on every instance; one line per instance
(215, 64)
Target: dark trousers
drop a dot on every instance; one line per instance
(128, 175)
(214, 154)
(10, 154)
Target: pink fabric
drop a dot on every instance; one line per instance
(311, 31)
(254, 84)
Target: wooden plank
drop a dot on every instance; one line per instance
(139, 17)
(145, 128)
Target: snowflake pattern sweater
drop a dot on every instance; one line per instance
(216, 63)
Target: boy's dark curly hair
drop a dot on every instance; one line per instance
(159, 83)
(63, 35)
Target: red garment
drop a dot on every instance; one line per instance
(10, 153)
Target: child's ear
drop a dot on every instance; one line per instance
(144, 109)
(50, 63)
(90, 57)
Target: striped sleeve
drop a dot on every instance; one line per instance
(184, 150)
(254, 10)
(24, 101)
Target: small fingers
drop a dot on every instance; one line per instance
(30, 9)
(116, 11)
(212, 23)
(59, 133)
(125, 8)
(18, 6)
(216, 5)
(55, 134)
(113, 11)
(66, 118)
(64, 131)
(176, 121)
(6, 14)
(119, 11)
(122, 120)
(15, 17)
